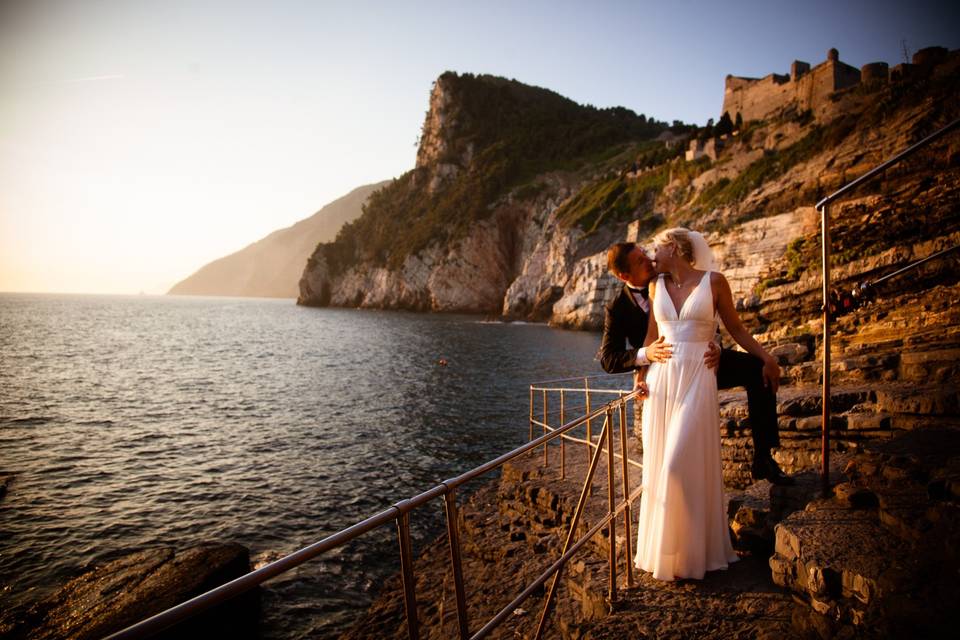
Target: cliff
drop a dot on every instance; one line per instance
(498, 222)
(496, 159)
(271, 266)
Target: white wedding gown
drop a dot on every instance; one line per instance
(683, 528)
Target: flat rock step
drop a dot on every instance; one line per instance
(878, 559)
(740, 602)
(795, 401)
(862, 413)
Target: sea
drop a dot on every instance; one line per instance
(132, 422)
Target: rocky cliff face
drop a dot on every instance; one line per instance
(468, 276)
(474, 143)
(755, 203)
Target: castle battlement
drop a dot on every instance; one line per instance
(804, 88)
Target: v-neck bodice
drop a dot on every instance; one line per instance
(695, 321)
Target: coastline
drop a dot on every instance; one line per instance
(512, 529)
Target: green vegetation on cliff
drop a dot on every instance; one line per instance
(619, 196)
(500, 135)
(772, 165)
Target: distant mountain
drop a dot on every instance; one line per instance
(271, 267)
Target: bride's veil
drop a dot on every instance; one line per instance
(702, 255)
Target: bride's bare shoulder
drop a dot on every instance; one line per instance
(720, 286)
(718, 279)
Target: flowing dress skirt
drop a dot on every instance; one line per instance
(683, 530)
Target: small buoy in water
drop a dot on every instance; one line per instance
(442, 362)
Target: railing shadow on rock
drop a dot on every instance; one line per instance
(831, 297)
(400, 513)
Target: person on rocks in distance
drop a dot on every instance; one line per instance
(626, 320)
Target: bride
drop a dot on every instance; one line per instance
(683, 525)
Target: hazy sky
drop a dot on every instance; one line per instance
(140, 139)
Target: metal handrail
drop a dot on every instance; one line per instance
(591, 377)
(399, 513)
(880, 168)
(824, 207)
(543, 390)
(591, 444)
(608, 391)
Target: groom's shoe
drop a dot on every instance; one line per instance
(766, 468)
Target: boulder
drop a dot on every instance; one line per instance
(110, 597)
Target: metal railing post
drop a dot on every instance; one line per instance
(624, 471)
(563, 449)
(546, 421)
(531, 414)
(570, 534)
(586, 392)
(611, 507)
(825, 424)
(406, 568)
(456, 564)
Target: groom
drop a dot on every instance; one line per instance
(626, 319)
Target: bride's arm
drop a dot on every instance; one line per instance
(723, 301)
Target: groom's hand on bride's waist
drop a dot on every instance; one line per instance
(712, 356)
(659, 351)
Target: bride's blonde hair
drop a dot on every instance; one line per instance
(679, 236)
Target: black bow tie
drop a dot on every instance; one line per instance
(643, 293)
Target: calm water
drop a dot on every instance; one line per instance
(138, 421)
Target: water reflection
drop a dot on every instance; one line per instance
(137, 421)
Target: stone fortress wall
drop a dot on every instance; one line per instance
(810, 89)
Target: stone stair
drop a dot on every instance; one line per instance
(861, 413)
(536, 505)
(895, 367)
(879, 558)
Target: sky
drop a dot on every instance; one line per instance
(141, 139)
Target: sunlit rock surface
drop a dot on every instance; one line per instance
(110, 597)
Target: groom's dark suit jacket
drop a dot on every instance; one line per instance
(625, 321)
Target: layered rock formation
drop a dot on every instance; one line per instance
(115, 595)
(271, 266)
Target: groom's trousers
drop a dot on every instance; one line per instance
(739, 369)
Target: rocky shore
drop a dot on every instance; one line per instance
(107, 598)
(512, 529)
(876, 559)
